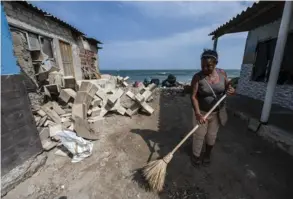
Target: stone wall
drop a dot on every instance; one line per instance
(257, 90)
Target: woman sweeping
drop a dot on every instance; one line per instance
(208, 86)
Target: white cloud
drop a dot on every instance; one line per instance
(216, 10)
(178, 50)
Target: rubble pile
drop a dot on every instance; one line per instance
(80, 105)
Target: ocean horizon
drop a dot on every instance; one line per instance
(182, 75)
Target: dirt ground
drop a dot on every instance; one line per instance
(243, 165)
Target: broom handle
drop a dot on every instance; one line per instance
(196, 127)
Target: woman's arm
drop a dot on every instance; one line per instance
(194, 89)
(230, 90)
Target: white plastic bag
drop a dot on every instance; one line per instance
(79, 147)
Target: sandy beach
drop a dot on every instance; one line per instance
(244, 165)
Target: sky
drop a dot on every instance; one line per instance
(154, 35)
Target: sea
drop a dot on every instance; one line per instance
(184, 76)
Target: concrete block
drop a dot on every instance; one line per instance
(96, 102)
(82, 129)
(94, 119)
(112, 99)
(42, 121)
(139, 98)
(130, 95)
(66, 115)
(67, 94)
(57, 108)
(52, 89)
(83, 97)
(102, 95)
(79, 110)
(66, 124)
(69, 82)
(89, 87)
(51, 113)
(48, 145)
(49, 123)
(96, 111)
(65, 119)
(55, 129)
(37, 119)
(41, 113)
(44, 133)
(147, 107)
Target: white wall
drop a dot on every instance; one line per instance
(283, 93)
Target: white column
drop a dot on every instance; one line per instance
(277, 61)
(215, 43)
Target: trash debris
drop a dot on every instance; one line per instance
(79, 147)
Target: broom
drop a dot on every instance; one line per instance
(155, 171)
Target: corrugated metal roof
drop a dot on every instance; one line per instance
(260, 13)
(52, 17)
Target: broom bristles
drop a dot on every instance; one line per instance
(155, 172)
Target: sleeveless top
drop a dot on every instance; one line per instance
(205, 95)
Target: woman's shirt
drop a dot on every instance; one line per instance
(205, 95)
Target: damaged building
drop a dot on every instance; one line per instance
(44, 44)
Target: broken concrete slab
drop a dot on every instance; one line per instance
(42, 121)
(66, 124)
(48, 109)
(55, 129)
(49, 123)
(44, 133)
(82, 129)
(57, 108)
(41, 113)
(48, 145)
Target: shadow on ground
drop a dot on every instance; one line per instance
(243, 165)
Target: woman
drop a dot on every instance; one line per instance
(208, 86)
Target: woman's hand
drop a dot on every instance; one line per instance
(200, 118)
(230, 90)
